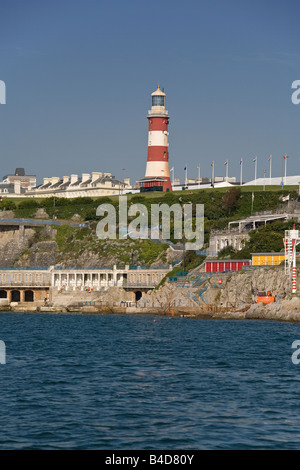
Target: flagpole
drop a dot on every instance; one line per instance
(186, 174)
(198, 172)
(241, 174)
(285, 169)
(255, 170)
(212, 173)
(270, 168)
(227, 170)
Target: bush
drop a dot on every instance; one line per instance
(7, 205)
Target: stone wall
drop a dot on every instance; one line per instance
(12, 243)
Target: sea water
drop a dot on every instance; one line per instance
(79, 381)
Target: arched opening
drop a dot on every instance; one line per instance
(15, 296)
(29, 296)
(3, 294)
(138, 295)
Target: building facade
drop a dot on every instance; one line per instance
(94, 185)
(36, 285)
(267, 259)
(17, 183)
(220, 266)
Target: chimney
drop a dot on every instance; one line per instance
(85, 177)
(46, 180)
(127, 181)
(17, 187)
(55, 179)
(96, 175)
(66, 179)
(74, 178)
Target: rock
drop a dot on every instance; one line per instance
(7, 215)
(76, 218)
(41, 214)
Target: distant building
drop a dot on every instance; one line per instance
(11, 189)
(220, 179)
(267, 259)
(26, 181)
(96, 184)
(221, 266)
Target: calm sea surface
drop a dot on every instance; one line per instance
(142, 382)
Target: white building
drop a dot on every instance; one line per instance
(96, 184)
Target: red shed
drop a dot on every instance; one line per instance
(220, 266)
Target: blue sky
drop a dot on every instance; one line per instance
(79, 75)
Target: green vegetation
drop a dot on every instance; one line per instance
(263, 240)
(220, 207)
(74, 242)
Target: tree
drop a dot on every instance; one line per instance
(230, 200)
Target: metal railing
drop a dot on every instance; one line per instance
(23, 285)
(140, 284)
(24, 268)
(76, 268)
(41, 222)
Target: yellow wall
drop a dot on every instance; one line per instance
(267, 260)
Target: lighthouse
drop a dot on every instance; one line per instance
(157, 176)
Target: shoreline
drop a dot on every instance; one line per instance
(249, 312)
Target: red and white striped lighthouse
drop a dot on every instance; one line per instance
(157, 175)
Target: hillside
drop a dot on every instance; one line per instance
(80, 246)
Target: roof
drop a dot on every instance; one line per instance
(225, 260)
(77, 182)
(259, 218)
(103, 179)
(158, 92)
(55, 185)
(20, 172)
(9, 187)
(64, 185)
(271, 253)
(86, 182)
(44, 186)
(149, 179)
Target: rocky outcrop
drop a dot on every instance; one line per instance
(107, 298)
(7, 215)
(242, 287)
(12, 244)
(168, 297)
(236, 291)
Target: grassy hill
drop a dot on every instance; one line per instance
(220, 207)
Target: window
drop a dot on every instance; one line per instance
(158, 100)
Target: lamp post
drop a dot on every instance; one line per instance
(198, 168)
(255, 169)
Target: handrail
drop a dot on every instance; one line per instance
(42, 222)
